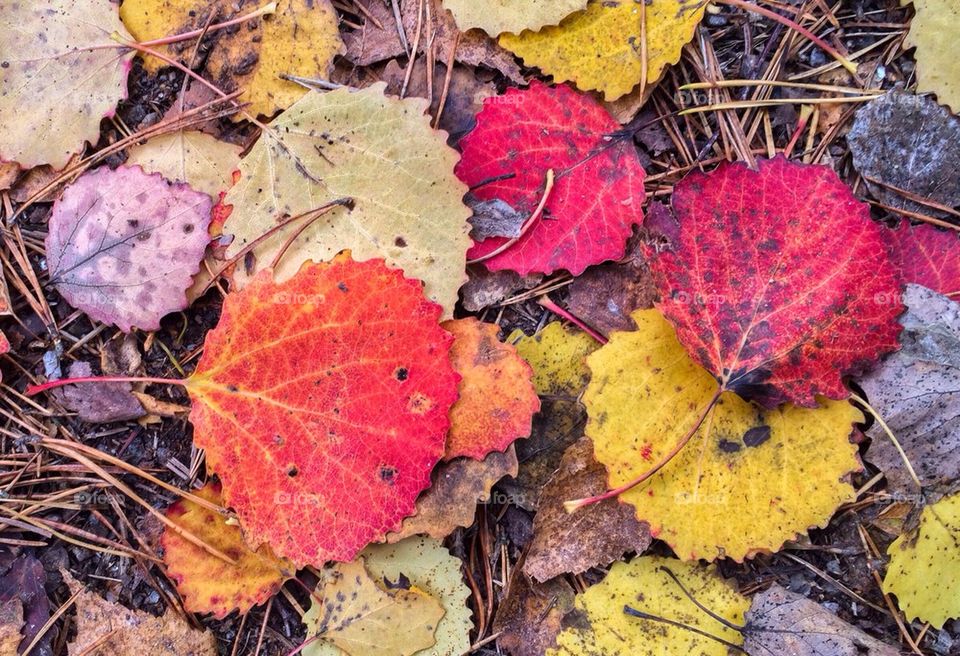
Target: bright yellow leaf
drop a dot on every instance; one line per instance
(252, 57)
(557, 355)
(376, 150)
(431, 569)
(933, 31)
(749, 479)
(601, 48)
(199, 159)
(207, 583)
(645, 586)
(496, 16)
(924, 569)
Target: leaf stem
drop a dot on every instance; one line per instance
(546, 302)
(268, 8)
(51, 384)
(576, 504)
(893, 438)
(783, 20)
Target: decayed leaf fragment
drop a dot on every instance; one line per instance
(197, 158)
(109, 629)
(451, 500)
(933, 32)
(644, 585)
(338, 379)
(379, 151)
(600, 48)
(917, 392)
(783, 622)
(530, 617)
(596, 198)
(924, 568)
(430, 569)
(593, 536)
(497, 399)
(778, 281)
(497, 16)
(123, 245)
(253, 56)
(363, 619)
(207, 583)
(749, 479)
(56, 84)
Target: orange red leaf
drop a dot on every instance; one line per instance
(322, 403)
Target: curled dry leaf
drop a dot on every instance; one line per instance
(362, 618)
(252, 57)
(57, 84)
(906, 145)
(109, 629)
(749, 479)
(597, 193)
(343, 363)
(497, 16)
(929, 256)
(593, 536)
(497, 399)
(778, 281)
(427, 567)
(924, 568)
(644, 584)
(207, 583)
(378, 151)
(199, 159)
(783, 622)
(600, 48)
(123, 245)
(917, 392)
(451, 500)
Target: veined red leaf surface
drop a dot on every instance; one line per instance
(777, 280)
(929, 257)
(598, 191)
(322, 403)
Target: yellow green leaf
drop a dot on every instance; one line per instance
(748, 480)
(933, 31)
(429, 568)
(557, 356)
(377, 150)
(252, 57)
(601, 48)
(363, 619)
(199, 159)
(924, 569)
(496, 16)
(645, 585)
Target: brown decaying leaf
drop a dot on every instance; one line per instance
(604, 296)
(109, 629)
(11, 619)
(783, 622)
(371, 44)
(558, 425)
(917, 392)
(451, 500)
(486, 288)
(594, 536)
(530, 617)
(22, 580)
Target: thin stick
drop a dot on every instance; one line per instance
(268, 8)
(576, 504)
(548, 187)
(772, 102)
(893, 438)
(633, 612)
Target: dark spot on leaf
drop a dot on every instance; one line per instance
(728, 447)
(756, 435)
(342, 286)
(387, 474)
(401, 373)
(292, 471)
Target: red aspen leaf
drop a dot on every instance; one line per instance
(123, 245)
(497, 399)
(777, 280)
(596, 198)
(207, 583)
(929, 257)
(322, 403)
